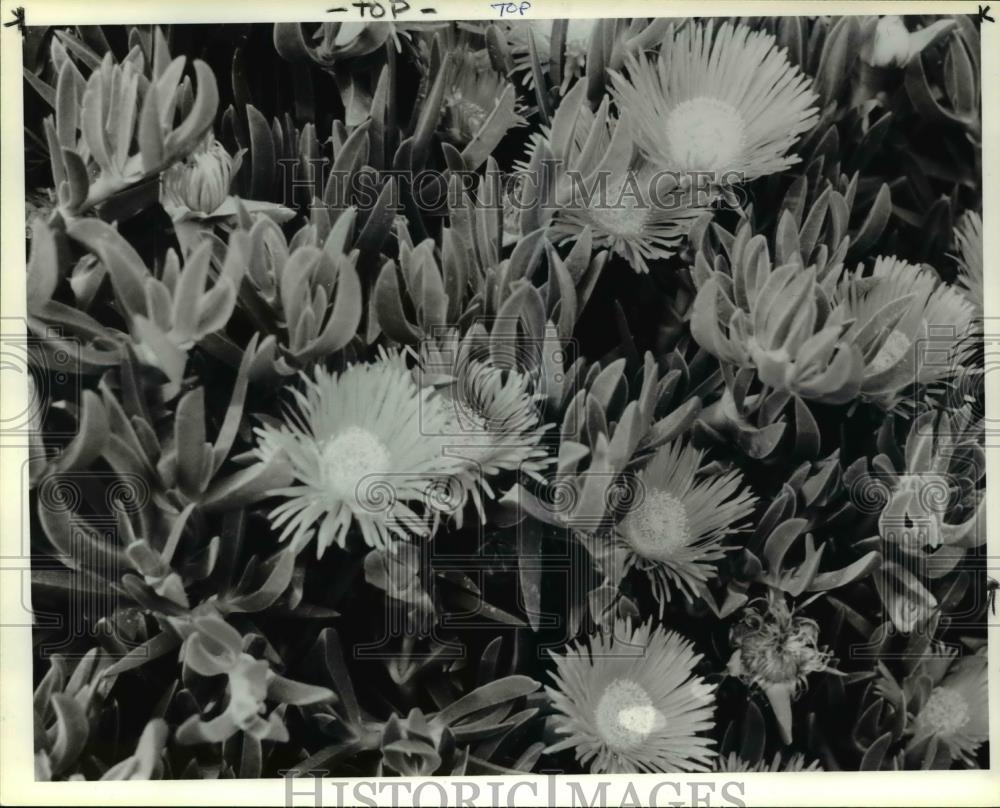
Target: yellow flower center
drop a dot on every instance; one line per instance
(350, 457)
(658, 527)
(945, 712)
(625, 715)
(705, 134)
(893, 349)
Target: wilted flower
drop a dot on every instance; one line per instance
(955, 713)
(909, 326)
(201, 182)
(674, 530)
(892, 45)
(492, 417)
(360, 445)
(969, 241)
(794, 763)
(723, 101)
(631, 702)
(776, 650)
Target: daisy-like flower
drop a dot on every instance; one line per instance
(636, 220)
(909, 327)
(362, 447)
(604, 188)
(776, 650)
(492, 417)
(954, 714)
(724, 102)
(674, 529)
(969, 242)
(632, 703)
(795, 763)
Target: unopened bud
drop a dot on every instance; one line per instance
(202, 181)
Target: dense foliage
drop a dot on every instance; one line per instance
(343, 460)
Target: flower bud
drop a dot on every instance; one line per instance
(202, 181)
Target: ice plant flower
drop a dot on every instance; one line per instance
(492, 417)
(775, 650)
(954, 714)
(602, 187)
(674, 529)
(969, 242)
(636, 215)
(909, 327)
(632, 702)
(722, 101)
(361, 446)
(794, 763)
(201, 182)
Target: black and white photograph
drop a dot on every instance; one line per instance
(411, 397)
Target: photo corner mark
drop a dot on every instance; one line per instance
(984, 14)
(18, 20)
